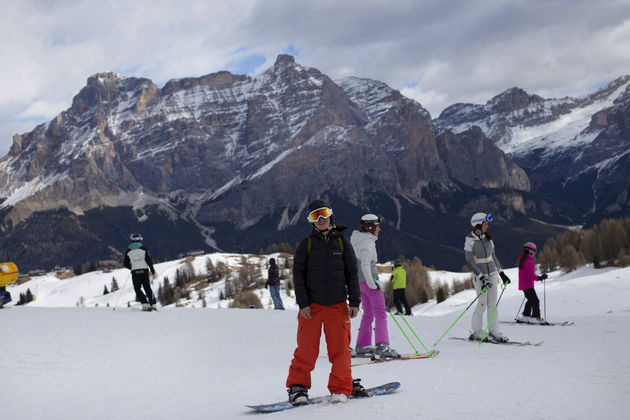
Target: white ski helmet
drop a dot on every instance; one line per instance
(369, 222)
(135, 237)
(479, 218)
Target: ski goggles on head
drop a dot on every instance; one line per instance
(316, 214)
(479, 218)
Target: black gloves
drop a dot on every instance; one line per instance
(505, 278)
(485, 282)
(542, 277)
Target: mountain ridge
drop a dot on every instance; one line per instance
(237, 158)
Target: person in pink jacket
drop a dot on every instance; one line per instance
(526, 277)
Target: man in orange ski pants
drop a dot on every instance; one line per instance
(327, 291)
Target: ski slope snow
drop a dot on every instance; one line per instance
(66, 362)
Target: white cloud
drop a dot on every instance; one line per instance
(456, 51)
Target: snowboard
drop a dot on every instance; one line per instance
(325, 399)
(8, 273)
(409, 356)
(505, 343)
(552, 324)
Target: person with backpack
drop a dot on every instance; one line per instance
(526, 278)
(327, 293)
(483, 263)
(372, 296)
(399, 284)
(273, 283)
(138, 260)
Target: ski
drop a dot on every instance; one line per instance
(325, 399)
(551, 324)
(410, 356)
(507, 343)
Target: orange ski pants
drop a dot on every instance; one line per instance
(336, 322)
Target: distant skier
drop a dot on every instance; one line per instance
(8, 274)
(484, 264)
(138, 260)
(273, 282)
(526, 278)
(325, 279)
(374, 310)
(399, 284)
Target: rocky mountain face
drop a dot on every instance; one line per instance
(230, 162)
(575, 151)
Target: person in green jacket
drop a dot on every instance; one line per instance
(399, 283)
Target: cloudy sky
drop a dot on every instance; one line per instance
(438, 52)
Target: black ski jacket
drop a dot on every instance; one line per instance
(326, 275)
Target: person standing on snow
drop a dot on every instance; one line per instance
(399, 284)
(138, 260)
(273, 282)
(526, 277)
(488, 274)
(372, 296)
(325, 280)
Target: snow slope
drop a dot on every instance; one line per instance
(206, 363)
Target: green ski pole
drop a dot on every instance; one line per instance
(492, 315)
(401, 330)
(409, 326)
(462, 314)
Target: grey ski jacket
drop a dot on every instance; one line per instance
(480, 256)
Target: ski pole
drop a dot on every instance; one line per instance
(121, 290)
(492, 315)
(409, 326)
(519, 308)
(545, 298)
(461, 315)
(403, 332)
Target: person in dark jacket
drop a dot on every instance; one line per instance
(327, 292)
(273, 282)
(138, 260)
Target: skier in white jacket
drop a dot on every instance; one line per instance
(372, 298)
(482, 261)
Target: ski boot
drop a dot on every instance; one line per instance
(363, 351)
(498, 337)
(385, 352)
(298, 395)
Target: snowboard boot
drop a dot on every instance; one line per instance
(146, 307)
(337, 398)
(154, 307)
(357, 389)
(383, 350)
(298, 395)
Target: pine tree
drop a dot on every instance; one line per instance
(105, 291)
(441, 294)
(569, 258)
(114, 286)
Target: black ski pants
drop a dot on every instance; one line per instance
(532, 306)
(141, 281)
(401, 298)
